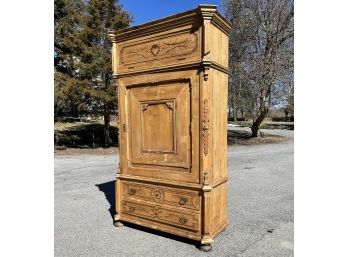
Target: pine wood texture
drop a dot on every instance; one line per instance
(172, 77)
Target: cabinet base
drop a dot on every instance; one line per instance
(118, 224)
(205, 248)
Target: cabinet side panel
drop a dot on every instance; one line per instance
(219, 46)
(219, 128)
(218, 215)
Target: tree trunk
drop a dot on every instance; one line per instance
(107, 129)
(234, 115)
(255, 128)
(234, 105)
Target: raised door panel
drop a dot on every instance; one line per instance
(158, 119)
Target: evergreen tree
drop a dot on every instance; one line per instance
(101, 17)
(83, 73)
(68, 17)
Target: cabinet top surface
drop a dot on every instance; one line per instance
(202, 12)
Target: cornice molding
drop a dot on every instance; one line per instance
(205, 12)
(221, 23)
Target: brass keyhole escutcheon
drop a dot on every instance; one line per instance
(131, 209)
(182, 220)
(183, 201)
(132, 191)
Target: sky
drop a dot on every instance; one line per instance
(148, 10)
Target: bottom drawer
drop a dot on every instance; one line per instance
(161, 214)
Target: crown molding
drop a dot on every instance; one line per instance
(202, 12)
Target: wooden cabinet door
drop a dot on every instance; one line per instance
(158, 136)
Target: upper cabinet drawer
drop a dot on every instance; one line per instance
(175, 47)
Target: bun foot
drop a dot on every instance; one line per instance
(205, 248)
(118, 224)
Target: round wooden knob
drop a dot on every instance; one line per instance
(183, 201)
(182, 220)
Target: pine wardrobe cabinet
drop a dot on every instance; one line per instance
(171, 76)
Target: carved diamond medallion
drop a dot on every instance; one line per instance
(155, 49)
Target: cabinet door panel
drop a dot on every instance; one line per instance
(159, 120)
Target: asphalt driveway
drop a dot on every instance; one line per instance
(260, 206)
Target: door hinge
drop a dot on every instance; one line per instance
(125, 128)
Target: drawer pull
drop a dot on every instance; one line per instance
(131, 209)
(132, 191)
(183, 201)
(182, 221)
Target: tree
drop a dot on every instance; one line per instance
(83, 75)
(67, 49)
(101, 16)
(239, 37)
(261, 53)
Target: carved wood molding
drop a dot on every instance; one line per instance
(160, 82)
(206, 178)
(160, 182)
(206, 65)
(156, 49)
(206, 187)
(205, 126)
(170, 104)
(202, 11)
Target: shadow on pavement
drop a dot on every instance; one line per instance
(108, 188)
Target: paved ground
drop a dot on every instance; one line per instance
(260, 205)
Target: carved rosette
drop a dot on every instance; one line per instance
(205, 126)
(157, 194)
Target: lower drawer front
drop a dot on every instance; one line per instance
(158, 213)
